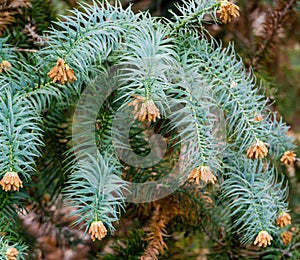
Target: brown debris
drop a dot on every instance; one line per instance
(207, 200)
(51, 226)
(8, 10)
(165, 210)
(30, 31)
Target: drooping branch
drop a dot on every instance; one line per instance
(275, 19)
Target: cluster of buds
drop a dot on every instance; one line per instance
(228, 11)
(97, 230)
(288, 158)
(263, 239)
(257, 150)
(283, 220)
(144, 109)
(258, 118)
(5, 65)
(62, 72)
(204, 174)
(11, 182)
(12, 253)
(286, 237)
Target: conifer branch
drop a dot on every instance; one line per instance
(173, 79)
(274, 20)
(156, 230)
(8, 10)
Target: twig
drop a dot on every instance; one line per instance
(209, 234)
(277, 23)
(25, 50)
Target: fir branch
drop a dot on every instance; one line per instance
(192, 117)
(240, 103)
(9, 9)
(275, 19)
(92, 34)
(147, 53)
(7, 51)
(20, 135)
(30, 30)
(156, 228)
(96, 189)
(194, 12)
(254, 195)
(236, 93)
(169, 67)
(6, 245)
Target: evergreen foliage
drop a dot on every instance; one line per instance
(173, 67)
